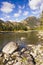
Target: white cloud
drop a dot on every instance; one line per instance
(21, 7)
(18, 14)
(7, 7)
(11, 20)
(2, 18)
(20, 11)
(7, 16)
(36, 5)
(35, 12)
(41, 7)
(17, 20)
(25, 13)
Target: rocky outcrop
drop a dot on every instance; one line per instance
(18, 57)
(10, 48)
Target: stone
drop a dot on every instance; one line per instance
(23, 50)
(1, 54)
(27, 52)
(16, 54)
(13, 55)
(18, 63)
(18, 59)
(26, 56)
(6, 56)
(10, 48)
(27, 59)
(23, 38)
(1, 60)
(10, 62)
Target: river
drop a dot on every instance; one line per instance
(32, 37)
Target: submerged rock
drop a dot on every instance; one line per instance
(10, 48)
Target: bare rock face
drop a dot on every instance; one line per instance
(10, 48)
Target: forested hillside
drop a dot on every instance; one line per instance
(30, 23)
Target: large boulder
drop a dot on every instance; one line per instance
(10, 48)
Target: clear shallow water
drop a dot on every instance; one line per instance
(24, 37)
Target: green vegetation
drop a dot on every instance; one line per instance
(8, 26)
(24, 59)
(30, 23)
(40, 27)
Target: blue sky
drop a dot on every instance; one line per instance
(17, 10)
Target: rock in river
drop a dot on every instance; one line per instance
(10, 48)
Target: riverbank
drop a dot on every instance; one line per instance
(21, 31)
(30, 54)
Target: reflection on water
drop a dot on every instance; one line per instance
(33, 38)
(24, 37)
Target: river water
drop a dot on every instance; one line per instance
(32, 37)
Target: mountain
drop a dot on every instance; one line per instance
(28, 23)
(12, 26)
(31, 22)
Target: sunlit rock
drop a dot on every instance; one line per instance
(23, 38)
(16, 54)
(18, 63)
(10, 48)
(23, 50)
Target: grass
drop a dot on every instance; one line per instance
(24, 59)
(39, 28)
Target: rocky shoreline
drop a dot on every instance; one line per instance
(14, 54)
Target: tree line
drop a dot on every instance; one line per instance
(8, 26)
(31, 22)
